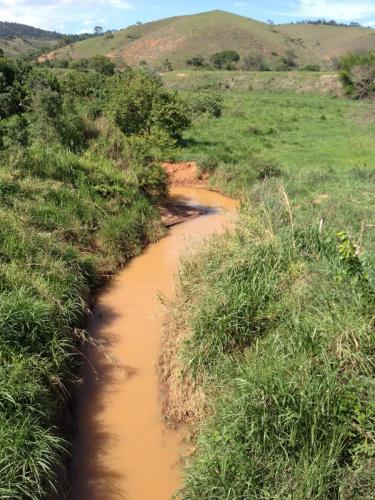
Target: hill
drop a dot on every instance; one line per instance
(18, 39)
(179, 38)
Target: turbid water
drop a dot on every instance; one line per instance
(123, 449)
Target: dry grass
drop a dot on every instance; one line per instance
(184, 401)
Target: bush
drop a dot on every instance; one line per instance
(102, 65)
(358, 74)
(310, 67)
(199, 104)
(255, 62)
(196, 62)
(87, 85)
(226, 59)
(138, 102)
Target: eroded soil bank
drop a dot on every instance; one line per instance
(124, 450)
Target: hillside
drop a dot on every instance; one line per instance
(19, 39)
(180, 38)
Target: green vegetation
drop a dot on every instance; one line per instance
(225, 59)
(278, 311)
(76, 201)
(191, 41)
(358, 74)
(9, 30)
(276, 81)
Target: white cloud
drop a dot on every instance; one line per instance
(344, 10)
(241, 4)
(51, 14)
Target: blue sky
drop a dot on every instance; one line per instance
(75, 16)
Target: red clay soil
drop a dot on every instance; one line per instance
(182, 174)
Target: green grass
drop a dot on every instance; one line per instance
(304, 82)
(323, 146)
(67, 221)
(278, 313)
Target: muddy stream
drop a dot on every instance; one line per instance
(123, 449)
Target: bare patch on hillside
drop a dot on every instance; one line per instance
(150, 49)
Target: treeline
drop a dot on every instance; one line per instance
(10, 30)
(332, 22)
(231, 60)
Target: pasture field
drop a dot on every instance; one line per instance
(301, 82)
(275, 318)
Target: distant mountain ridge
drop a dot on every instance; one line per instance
(9, 29)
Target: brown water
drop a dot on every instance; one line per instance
(124, 450)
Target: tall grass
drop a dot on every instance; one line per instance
(285, 334)
(66, 221)
(278, 313)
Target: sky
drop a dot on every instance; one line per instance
(78, 16)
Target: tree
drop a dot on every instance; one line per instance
(102, 64)
(225, 59)
(196, 61)
(98, 31)
(138, 102)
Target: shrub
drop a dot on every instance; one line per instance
(226, 59)
(102, 65)
(205, 103)
(310, 67)
(196, 61)
(86, 85)
(358, 74)
(255, 62)
(138, 102)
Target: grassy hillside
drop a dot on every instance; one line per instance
(14, 47)
(328, 42)
(19, 39)
(180, 38)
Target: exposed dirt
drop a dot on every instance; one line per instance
(182, 174)
(150, 47)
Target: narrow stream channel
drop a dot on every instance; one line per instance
(124, 450)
